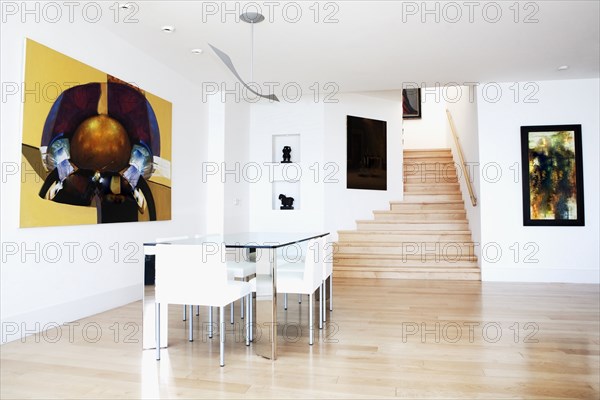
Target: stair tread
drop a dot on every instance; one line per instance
(439, 201)
(462, 232)
(425, 221)
(411, 268)
(427, 214)
(355, 243)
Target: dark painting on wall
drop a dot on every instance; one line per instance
(552, 175)
(366, 153)
(411, 103)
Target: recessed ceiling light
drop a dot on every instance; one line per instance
(125, 6)
(168, 28)
(563, 68)
(197, 51)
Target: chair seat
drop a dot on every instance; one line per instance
(212, 296)
(241, 269)
(296, 266)
(293, 282)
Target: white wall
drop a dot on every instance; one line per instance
(325, 201)
(463, 108)
(267, 119)
(40, 292)
(344, 206)
(565, 254)
(428, 132)
(237, 152)
(213, 166)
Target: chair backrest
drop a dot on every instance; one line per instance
(188, 273)
(313, 263)
(328, 248)
(293, 253)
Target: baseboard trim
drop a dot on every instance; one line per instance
(541, 275)
(19, 326)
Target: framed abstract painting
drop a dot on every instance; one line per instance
(552, 169)
(97, 149)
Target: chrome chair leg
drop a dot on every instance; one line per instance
(231, 310)
(331, 292)
(185, 312)
(324, 301)
(197, 311)
(157, 329)
(299, 299)
(248, 321)
(251, 318)
(310, 320)
(321, 306)
(285, 301)
(222, 336)
(242, 308)
(210, 322)
(191, 324)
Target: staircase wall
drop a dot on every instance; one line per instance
(464, 113)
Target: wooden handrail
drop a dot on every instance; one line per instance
(461, 156)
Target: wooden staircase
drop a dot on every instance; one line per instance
(425, 236)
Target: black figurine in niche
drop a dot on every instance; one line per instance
(287, 157)
(287, 203)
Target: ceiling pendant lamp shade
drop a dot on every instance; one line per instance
(251, 18)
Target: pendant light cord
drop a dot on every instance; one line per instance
(252, 53)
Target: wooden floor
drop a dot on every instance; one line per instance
(394, 338)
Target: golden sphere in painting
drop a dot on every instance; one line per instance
(100, 144)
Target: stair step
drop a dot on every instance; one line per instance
(404, 236)
(421, 216)
(430, 179)
(447, 249)
(412, 225)
(431, 205)
(400, 263)
(426, 257)
(470, 274)
(415, 153)
(424, 186)
(430, 197)
(428, 163)
(432, 190)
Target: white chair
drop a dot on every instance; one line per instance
(291, 258)
(326, 254)
(291, 279)
(171, 239)
(188, 274)
(239, 267)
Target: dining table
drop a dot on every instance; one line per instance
(266, 246)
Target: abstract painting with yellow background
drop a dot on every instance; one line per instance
(95, 149)
(552, 175)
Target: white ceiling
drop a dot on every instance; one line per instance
(370, 47)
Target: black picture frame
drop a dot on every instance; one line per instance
(552, 172)
(366, 149)
(411, 103)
